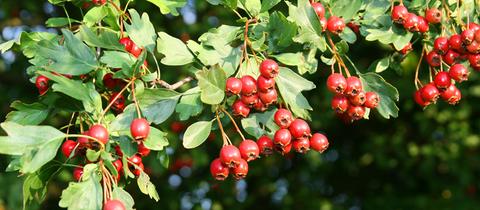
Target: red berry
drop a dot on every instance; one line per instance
(269, 97)
(67, 148)
(249, 100)
(138, 169)
(240, 109)
(455, 42)
(119, 104)
(114, 205)
(240, 171)
(477, 35)
(451, 57)
(372, 100)
(259, 106)
(301, 145)
(359, 99)
(218, 170)
(265, 145)
(340, 103)
(127, 43)
(430, 93)
(434, 59)
(41, 82)
(459, 73)
(269, 68)
(335, 24)
(108, 81)
(135, 51)
(407, 48)
(473, 26)
(467, 36)
(118, 164)
(411, 22)
(336, 83)
(77, 173)
(99, 132)
(264, 84)
(442, 80)
(142, 150)
(356, 112)
(354, 26)
(177, 127)
(452, 95)
(422, 25)
(249, 85)
(354, 86)
(284, 150)
(140, 128)
(399, 14)
(474, 60)
(282, 138)
(417, 96)
(135, 159)
(234, 86)
(441, 45)
(249, 150)
(473, 47)
(319, 9)
(118, 150)
(83, 141)
(433, 15)
(299, 128)
(319, 142)
(323, 23)
(283, 118)
(230, 156)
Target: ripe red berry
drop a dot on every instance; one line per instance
(467, 36)
(283, 118)
(249, 150)
(451, 57)
(430, 93)
(433, 59)
(265, 83)
(399, 14)
(265, 145)
(474, 60)
(118, 164)
(359, 99)
(284, 150)
(336, 83)
(319, 9)
(473, 47)
(249, 85)
(451, 95)
(319, 142)
(118, 150)
(473, 26)
(407, 48)
(269, 68)
(354, 26)
(335, 24)
(440, 45)
(108, 81)
(119, 104)
(135, 51)
(249, 100)
(417, 96)
(138, 169)
(433, 15)
(218, 170)
(260, 106)
(142, 150)
(234, 86)
(340, 103)
(77, 173)
(140, 128)
(323, 23)
(372, 100)
(268, 97)
(356, 112)
(455, 42)
(127, 43)
(301, 145)
(82, 141)
(299, 128)
(477, 36)
(354, 86)
(422, 25)
(67, 148)
(240, 171)
(41, 82)
(177, 127)
(459, 73)
(442, 80)
(99, 132)
(240, 109)
(230, 156)
(282, 138)
(114, 205)
(135, 159)
(411, 22)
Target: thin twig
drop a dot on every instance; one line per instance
(234, 124)
(175, 85)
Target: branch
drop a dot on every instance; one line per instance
(173, 86)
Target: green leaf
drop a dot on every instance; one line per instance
(28, 114)
(73, 58)
(35, 184)
(36, 147)
(60, 21)
(178, 57)
(169, 6)
(147, 187)
(115, 59)
(141, 31)
(348, 35)
(380, 65)
(310, 29)
(4, 47)
(85, 195)
(291, 86)
(387, 92)
(196, 134)
(228, 57)
(105, 39)
(280, 31)
(342, 47)
(95, 15)
(346, 9)
(164, 158)
(388, 33)
(252, 6)
(92, 155)
(305, 62)
(120, 194)
(190, 104)
(156, 140)
(268, 4)
(212, 83)
(255, 123)
(125, 143)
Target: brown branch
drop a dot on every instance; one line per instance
(175, 85)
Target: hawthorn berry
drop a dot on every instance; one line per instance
(260, 106)
(99, 132)
(458, 72)
(356, 112)
(340, 103)
(218, 170)
(240, 170)
(433, 15)
(127, 43)
(285, 150)
(301, 145)
(299, 128)
(451, 57)
(473, 47)
(407, 48)
(118, 150)
(177, 127)
(371, 100)
(249, 100)
(411, 22)
(422, 25)
(83, 141)
(142, 150)
(249, 150)
(473, 26)
(249, 85)
(477, 36)
(319, 142)
(268, 97)
(283, 118)
(113, 205)
(319, 9)
(354, 26)
(234, 86)
(442, 80)
(433, 59)
(474, 60)
(354, 86)
(118, 164)
(269, 68)
(264, 84)
(359, 99)
(41, 82)
(455, 42)
(135, 159)
(417, 96)
(430, 93)
(399, 14)
(230, 156)
(452, 95)
(335, 24)
(140, 128)
(67, 148)
(108, 81)
(77, 173)
(467, 36)
(265, 145)
(440, 45)
(240, 109)
(282, 138)
(138, 169)
(135, 51)
(119, 104)
(336, 83)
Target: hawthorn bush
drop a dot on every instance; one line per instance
(238, 92)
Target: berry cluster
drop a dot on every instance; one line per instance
(334, 24)
(350, 101)
(258, 94)
(413, 22)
